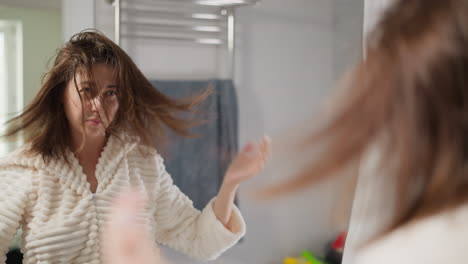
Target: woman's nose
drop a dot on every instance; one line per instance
(96, 104)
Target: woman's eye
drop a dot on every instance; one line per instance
(111, 93)
(85, 90)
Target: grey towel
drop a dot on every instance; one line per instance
(197, 165)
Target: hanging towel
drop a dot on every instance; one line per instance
(197, 165)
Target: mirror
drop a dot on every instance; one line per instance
(287, 57)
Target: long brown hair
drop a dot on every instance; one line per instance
(143, 113)
(409, 94)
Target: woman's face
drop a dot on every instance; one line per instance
(100, 108)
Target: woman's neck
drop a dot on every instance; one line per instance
(90, 151)
(88, 156)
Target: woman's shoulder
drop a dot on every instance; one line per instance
(146, 155)
(18, 168)
(436, 239)
(20, 157)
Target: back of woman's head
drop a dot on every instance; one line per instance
(409, 96)
(143, 111)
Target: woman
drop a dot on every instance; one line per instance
(403, 117)
(93, 129)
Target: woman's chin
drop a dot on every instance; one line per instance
(95, 132)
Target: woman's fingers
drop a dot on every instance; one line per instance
(126, 239)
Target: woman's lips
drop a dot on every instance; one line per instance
(94, 122)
